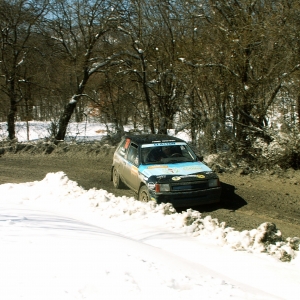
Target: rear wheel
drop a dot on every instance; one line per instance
(117, 182)
(144, 194)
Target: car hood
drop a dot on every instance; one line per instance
(174, 169)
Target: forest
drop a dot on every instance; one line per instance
(227, 71)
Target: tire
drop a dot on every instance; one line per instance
(144, 194)
(117, 182)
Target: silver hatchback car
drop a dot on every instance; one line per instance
(163, 168)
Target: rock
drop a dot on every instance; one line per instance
(244, 171)
(49, 149)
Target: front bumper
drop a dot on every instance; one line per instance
(190, 198)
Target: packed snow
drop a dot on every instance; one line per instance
(59, 241)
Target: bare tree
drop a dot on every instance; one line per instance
(154, 33)
(244, 60)
(80, 28)
(17, 22)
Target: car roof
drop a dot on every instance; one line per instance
(151, 138)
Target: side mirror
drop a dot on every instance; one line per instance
(200, 158)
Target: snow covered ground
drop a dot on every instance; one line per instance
(79, 131)
(39, 130)
(59, 241)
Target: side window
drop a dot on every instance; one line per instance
(123, 147)
(133, 154)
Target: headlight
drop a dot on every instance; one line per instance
(213, 182)
(162, 187)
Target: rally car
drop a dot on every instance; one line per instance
(163, 168)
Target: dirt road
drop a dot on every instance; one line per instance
(247, 201)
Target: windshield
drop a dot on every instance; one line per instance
(164, 154)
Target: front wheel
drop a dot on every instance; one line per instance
(144, 194)
(117, 182)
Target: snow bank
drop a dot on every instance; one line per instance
(57, 188)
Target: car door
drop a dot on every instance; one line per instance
(131, 167)
(120, 158)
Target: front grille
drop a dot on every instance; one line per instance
(189, 186)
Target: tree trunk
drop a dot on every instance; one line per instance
(70, 107)
(11, 120)
(162, 126)
(298, 110)
(12, 111)
(193, 119)
(64, 120)
(148, 99)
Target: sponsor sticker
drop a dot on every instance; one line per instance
(192, 168)
(164, 144)
(200, 176)
(157, 167)
(172, 171)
